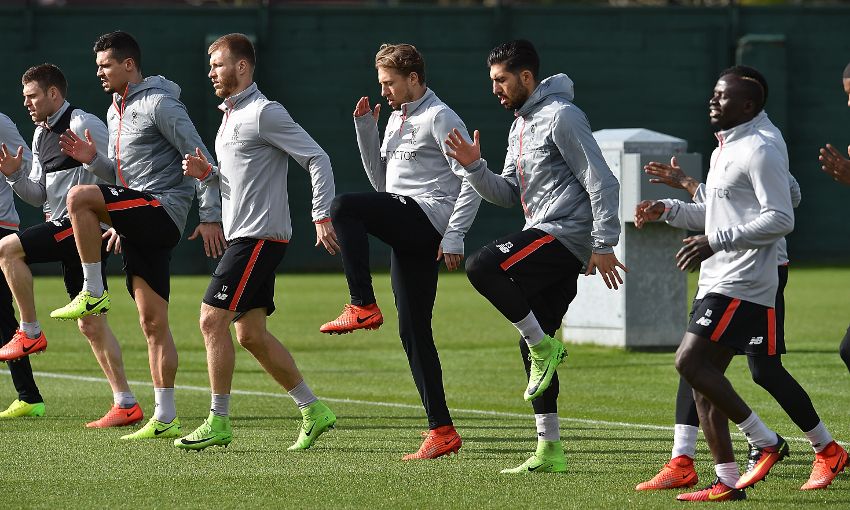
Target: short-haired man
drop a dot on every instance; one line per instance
(838, 167)
(555, 170)
(149, 131)
(764, 358)
(253, 144)
(29, 401)
(46, 186)
(421, 207)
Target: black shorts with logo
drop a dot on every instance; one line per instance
(244, 278)
(148, 235)
(53, 241)
(743, 326)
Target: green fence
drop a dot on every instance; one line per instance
(633, 67)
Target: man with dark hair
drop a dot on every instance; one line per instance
(149, 131)
(555, 170)
(253, 145)
(46, 186)
(838, 167)
(764, 359)
(29, 401)
(421, 207)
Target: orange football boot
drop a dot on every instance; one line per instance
(438, 442)
(828, 463)
(762, 460)
(354, 317)
(118, 417)
(679, 472)
(717, 491)
(21, 345)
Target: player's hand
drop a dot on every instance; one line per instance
(834, 164)
(114, 241)
(195, 165)
(9, 163)
(363, 108)
(72, 145)
(213, 236)
(607, 265)
(326, 236)
(461, 150)
(695, 250)
(452, 260)
(671, 175)
(648, 210)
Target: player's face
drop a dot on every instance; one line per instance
(222, 73)
(729, 105)
(508, 87)
(39, 102)
(395, 87)
(114, 75)
(847, 89)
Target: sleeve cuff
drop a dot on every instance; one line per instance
(323, 220)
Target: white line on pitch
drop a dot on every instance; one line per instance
(584, 421)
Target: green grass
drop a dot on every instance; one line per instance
(55, 462)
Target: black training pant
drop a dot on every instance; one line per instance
(398, 221)
(20, 369)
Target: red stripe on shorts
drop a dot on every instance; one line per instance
(130, 204)
(771, 331)
(725, 320)
(525, 252)
(61, 236)
(245, 275)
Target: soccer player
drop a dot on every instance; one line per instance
(253, 145)
(53, 175)
(149, 131)
(421, 207)
(554, 169)
(29, 401)
(747, 210)
(838, 167)
(764, 359)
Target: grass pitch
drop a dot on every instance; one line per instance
(616, 408)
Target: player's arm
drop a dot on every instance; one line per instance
(574, 139)
(501, 190)
(671, 175)
(468, 200)
(99, 134)
(21, 167)
(690, 216)
(369, 143)
(834, 164)
(796, 192)
(278, 129)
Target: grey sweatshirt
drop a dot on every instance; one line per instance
(412, 161)
(39, 189)
(555, 170)
(747, 210)
(146, 147)
(253, 144)
(10, 135)
(674, 214)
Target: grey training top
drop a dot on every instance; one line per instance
(10, 136)
(149, 132)
(253, 144)
(412, 161)
(555, 170)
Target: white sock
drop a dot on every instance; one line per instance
(684, 440)
(165, 409)
(220, 405)
(31, 329)
(92, 279)
(124, 399)
(302, 395)
(819, 437)
(530, 329)
(757, 432)
(548, 427)
(728, 473)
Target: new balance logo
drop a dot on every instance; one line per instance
(506, 247)
(756, 340)
(399, 198)
(702, 321)
(221, 296)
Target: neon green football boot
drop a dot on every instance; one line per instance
(155, 429)
(20, 409)
(317, 418)
(545, 358)
(549, 458)
(82, 305)
(215, 430)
